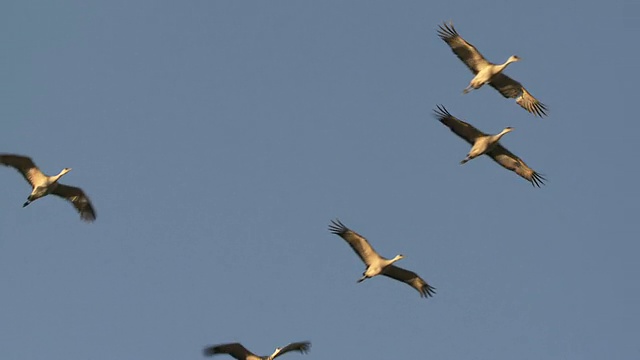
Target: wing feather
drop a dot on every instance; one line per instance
(26, 167)
(302, 347)
(512, 89)
(357, 242)
(79, 200)
(465, 130)
(511, 162)
(234, 349)
(410, 278)
(466, 52)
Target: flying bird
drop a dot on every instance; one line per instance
(490, 73)
(44, 185)
(483, 144)
(376, 264)
(239, 352)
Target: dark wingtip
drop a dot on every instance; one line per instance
(536, 108)
(537, 179)
(441, 112)
(88, 217)
(427, 291)
(542, 108)
(539, 109)
(447, 31)
(337, 227)
(305, 347)
(209, 351)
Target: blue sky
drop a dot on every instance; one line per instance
(217, 139)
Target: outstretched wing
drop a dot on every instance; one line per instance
(512, 89)
(234, 349)
(25, 166)
(509, 161)
(357, 242)
(466, 52)
(302, 347)
(79, 200)
(459, 127)
(410, 278)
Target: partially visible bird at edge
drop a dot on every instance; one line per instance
(43, 185)
(237, 351)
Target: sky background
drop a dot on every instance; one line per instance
(217, 139)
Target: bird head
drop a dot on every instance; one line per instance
(398, 257)
(514, 58)
(508, 129)
(64, 171)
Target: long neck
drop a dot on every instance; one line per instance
(388, 262)
(55, 178)
(396, 258)
(506, 63)
(500, 134)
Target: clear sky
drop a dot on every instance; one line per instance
(217, 139)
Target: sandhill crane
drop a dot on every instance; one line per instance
(487, 72)
(376, 264)
(482, 143)
(44, 185)
(241, 353)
